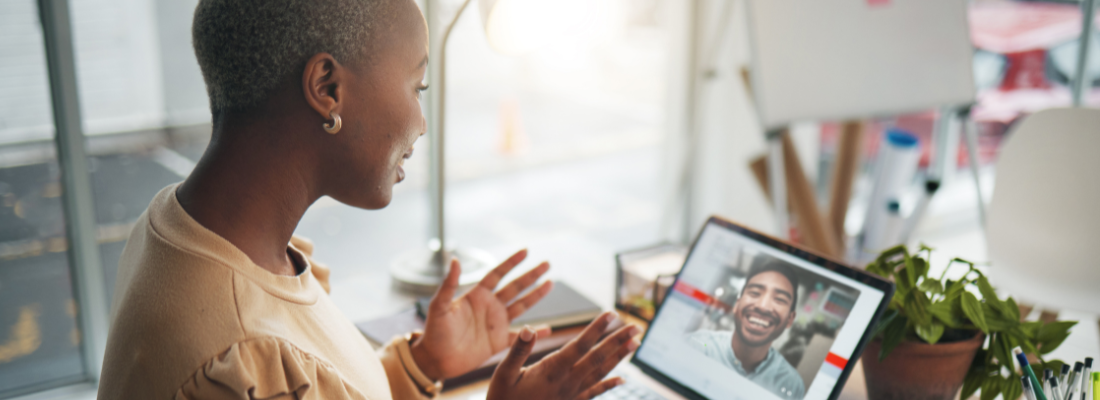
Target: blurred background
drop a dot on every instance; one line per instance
(573, 150)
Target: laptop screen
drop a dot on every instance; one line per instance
(746, 320)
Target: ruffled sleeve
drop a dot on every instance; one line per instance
(267, 368)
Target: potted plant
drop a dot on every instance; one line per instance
(938, 335)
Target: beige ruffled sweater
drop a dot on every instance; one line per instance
(194, 318)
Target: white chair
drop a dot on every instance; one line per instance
(1043, 226)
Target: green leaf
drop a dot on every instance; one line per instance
(1052, 334)
(949, 312)
(910, 272)
(991, 387)
(988, 294)
(953, 289)
(973, 310)
(877, 267)
(916, 308)
(996, 320)
(1021, 339)
(1031, 329)
(931, 333)
(1012, 308)
(931, 285)
(1002, 350)
(887, 317)
(892, 252)
(893, 335)
(972, 383)
(920, 267)
(898, 301)
(924, 247)
(1011, 387)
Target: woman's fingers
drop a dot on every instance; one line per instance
(541, 331)
(492, 279)
(600, 387)
(514, 288)
(510, 367)
(580, 345)
(447, 289)
(527, 301)
(607, 354)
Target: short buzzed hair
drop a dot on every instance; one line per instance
(246, 48)
(782, 268)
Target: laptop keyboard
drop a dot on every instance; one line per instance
(630, 391)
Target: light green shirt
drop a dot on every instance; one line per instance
(774, 373)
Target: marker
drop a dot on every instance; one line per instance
(1070, 391)
(1047, 374)
(1055, 389)
(1065, 373)
(1026, 382)
(1096, 386)
(1026, 368)
(1086, 380)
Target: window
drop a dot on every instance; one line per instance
(40, 339)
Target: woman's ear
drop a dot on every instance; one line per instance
(323, 84)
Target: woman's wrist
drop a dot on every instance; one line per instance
(423, 358)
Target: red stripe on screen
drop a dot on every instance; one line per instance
(694, 293)
(836, 360)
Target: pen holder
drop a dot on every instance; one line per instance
(644, 276)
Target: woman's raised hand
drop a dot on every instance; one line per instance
(576, 371)
(460, 334)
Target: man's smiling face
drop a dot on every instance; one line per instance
(765, 308)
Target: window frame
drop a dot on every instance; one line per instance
(85, 266)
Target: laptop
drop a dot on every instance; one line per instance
(752, 317)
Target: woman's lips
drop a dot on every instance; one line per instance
(401, 164)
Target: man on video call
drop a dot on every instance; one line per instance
(763, 311)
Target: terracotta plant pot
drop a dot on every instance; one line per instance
(918, 371)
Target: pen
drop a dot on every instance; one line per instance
(1055, 389)
(1086, 380)
(1096, 386)
(1047, 374)
(1026, 382)
(1065, 373)
(1070, 391)
(1028, 372)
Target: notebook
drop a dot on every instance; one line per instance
(561, 308)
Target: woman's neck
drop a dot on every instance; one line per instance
(249, 189)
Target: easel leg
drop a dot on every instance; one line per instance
(776, 182)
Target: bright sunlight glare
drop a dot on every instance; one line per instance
(517, 27)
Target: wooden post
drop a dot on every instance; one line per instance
(848, 151)
(801, 200)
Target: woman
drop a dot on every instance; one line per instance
(309, 98)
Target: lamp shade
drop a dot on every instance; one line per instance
(1044, 218)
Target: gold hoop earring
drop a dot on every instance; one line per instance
(336, 123)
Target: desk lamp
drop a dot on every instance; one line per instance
(512, 27)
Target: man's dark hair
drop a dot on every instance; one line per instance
(775, 266)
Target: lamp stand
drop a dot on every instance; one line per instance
(422, 271)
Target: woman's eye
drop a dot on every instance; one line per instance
(420, 89)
